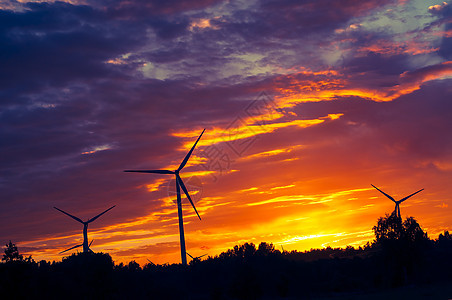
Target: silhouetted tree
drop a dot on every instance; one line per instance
(242, 252)
(12, 253)
(391, 228)
(445, 238)
(244, 272)
(388, 228)
(134, 266)
(265, 249)
(245, 251)
(404, 245)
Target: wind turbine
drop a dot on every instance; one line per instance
(197, 258)
(397, 203)
(152, 264)
(85, 244)
(89, 249)
(179, 184)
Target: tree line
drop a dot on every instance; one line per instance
(401, 254)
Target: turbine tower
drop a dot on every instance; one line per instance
(179, 184)
(85, 244)
(397, 203)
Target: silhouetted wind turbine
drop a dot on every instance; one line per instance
(89, 249)
(397, 203)
(152, 264)
(85, 245)
(179, 184)
(197, 258)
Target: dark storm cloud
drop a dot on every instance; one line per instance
(169, 30)
(54, 44)
(374, 70)
(162, 56)
(277, 27)
(383, 65)
(446, 43)
(274, 30)
(150, 8)
(307, 17)
(165, 17)
(40, 133)
(443, 12)
(294, 19)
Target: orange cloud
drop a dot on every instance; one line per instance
(250, 129)
(409, 82)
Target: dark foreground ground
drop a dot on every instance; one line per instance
(430, 291)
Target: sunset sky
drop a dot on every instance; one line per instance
(305, 104)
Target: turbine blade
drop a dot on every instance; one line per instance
(73, 217)
(189, 255)
(184, 162)
(383, 193)
(92, 219)
(201, 256)
(91, 243)
(181, 183)
(151, 171)
(403, 199)
(150, 262)
(71, 248)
